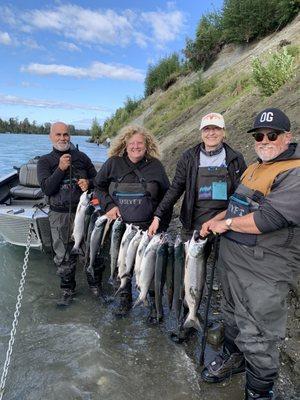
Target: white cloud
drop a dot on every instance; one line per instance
(8, 16)
(82, 24)
(94, 71)
(26, 84)
(166, 26)
(5, 38)
(100, 27)
(32, 44)
(69, 46)
(42, 103)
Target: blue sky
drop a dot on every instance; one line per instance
(76, 60)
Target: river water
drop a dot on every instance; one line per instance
(83, 351)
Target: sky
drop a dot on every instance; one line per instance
(79, 60)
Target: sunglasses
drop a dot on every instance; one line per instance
(272, 136)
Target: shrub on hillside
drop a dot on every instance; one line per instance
(239, 85)
(158, 74)
(121, 117)
(170, 80)
(131, 104)
(293, 50)
(279, 70)
(207, 44)
(201, 87)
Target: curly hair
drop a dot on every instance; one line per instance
(118, 147)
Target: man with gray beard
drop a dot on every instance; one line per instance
(63, 175)
(259, 258)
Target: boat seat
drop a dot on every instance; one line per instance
(29, 187)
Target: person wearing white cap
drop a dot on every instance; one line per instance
(207, 174)
(259, 254)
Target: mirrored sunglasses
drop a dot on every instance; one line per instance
(272, 136)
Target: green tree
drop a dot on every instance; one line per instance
(96, 130)
(208, 42)
(25, 125)
(159, 73)
(245, 20)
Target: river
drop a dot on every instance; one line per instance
(83, 351)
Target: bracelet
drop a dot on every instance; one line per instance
(155, 216)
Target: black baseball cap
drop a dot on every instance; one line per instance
(272, 118)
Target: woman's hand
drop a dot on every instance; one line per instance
(114, 213)
(154, 226)
(83, 184)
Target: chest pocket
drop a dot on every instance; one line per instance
(239, 206)
(212, 183)
(133, 199)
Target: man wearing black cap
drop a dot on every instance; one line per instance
(259, 255)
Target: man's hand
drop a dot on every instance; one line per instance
(114, 213)
(214, 227)
(153, 227)
(64, 162)
(83, 184)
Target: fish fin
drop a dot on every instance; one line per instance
(90, 270)
(192, 323)
(138, 302)
(120, 288)
(77, 252)
(111, 280)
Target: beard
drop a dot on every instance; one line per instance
(61, 146)
(268, 152)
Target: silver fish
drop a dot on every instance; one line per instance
(130, 258)
(95, 241)
(118, 230)
(148, 268)
(194, 279)
(78, 230)
(160, 274)
(139, 256)
(170, 275)
(179, 259)
(126, 239)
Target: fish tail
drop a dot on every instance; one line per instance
(123, 284)
(111, 280)
(191, 322)
(90, 270)
(139, 301)
(77, 251)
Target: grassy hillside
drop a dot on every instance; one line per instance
(174, 115)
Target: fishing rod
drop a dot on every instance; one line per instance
(210, 289)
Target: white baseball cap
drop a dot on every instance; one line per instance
(212, 119)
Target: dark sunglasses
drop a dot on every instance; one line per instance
(272, 136)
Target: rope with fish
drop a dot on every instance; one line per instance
(17, 310)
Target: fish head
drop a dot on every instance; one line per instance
(153, 244)
(84, 199)
(178, 241)
(101, 220)
(196, 245)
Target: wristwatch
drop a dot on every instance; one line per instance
(228, 223)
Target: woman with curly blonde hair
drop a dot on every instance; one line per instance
(131, 184)
(119, 145)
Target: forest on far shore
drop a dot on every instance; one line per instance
(13, 125)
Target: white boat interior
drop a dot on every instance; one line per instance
(22, 201)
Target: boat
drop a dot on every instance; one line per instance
(22, 202)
